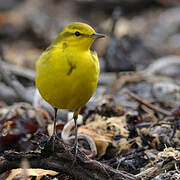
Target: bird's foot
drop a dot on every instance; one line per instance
(74, 151)
(53, 138)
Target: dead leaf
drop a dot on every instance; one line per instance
(102, 130)
(38, 173)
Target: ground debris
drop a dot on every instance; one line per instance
(18, 123)
(171, 175)
(166, 160)
(108, 108)
(132, 123)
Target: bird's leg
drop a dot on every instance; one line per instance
(54, 135)
(76, 138)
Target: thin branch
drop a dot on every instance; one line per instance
(23, 72)
(14, 84)
(154, 108)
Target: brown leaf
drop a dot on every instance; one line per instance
(38, 173)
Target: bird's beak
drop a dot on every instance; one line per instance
(97, 35)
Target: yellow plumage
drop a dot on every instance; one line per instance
(66, 75)
(67, 80)
(67, 72)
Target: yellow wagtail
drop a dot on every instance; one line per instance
(67, 71)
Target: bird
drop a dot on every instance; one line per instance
(67, 72)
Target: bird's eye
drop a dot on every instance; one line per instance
(77, 33)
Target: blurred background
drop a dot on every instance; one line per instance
(141, 54)
(138, 31)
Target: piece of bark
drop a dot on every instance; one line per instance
(151, 172)
(61, 160)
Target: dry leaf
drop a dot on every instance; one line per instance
(38, 173)
(103, 130)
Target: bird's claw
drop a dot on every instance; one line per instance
(74, 151)
(53, 138)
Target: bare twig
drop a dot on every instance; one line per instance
(23, 72)
(14, 84)
(7, 93)
(154, 108)
(61, 161)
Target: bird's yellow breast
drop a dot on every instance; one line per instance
(67, 78)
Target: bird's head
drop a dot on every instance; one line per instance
(78, 35)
